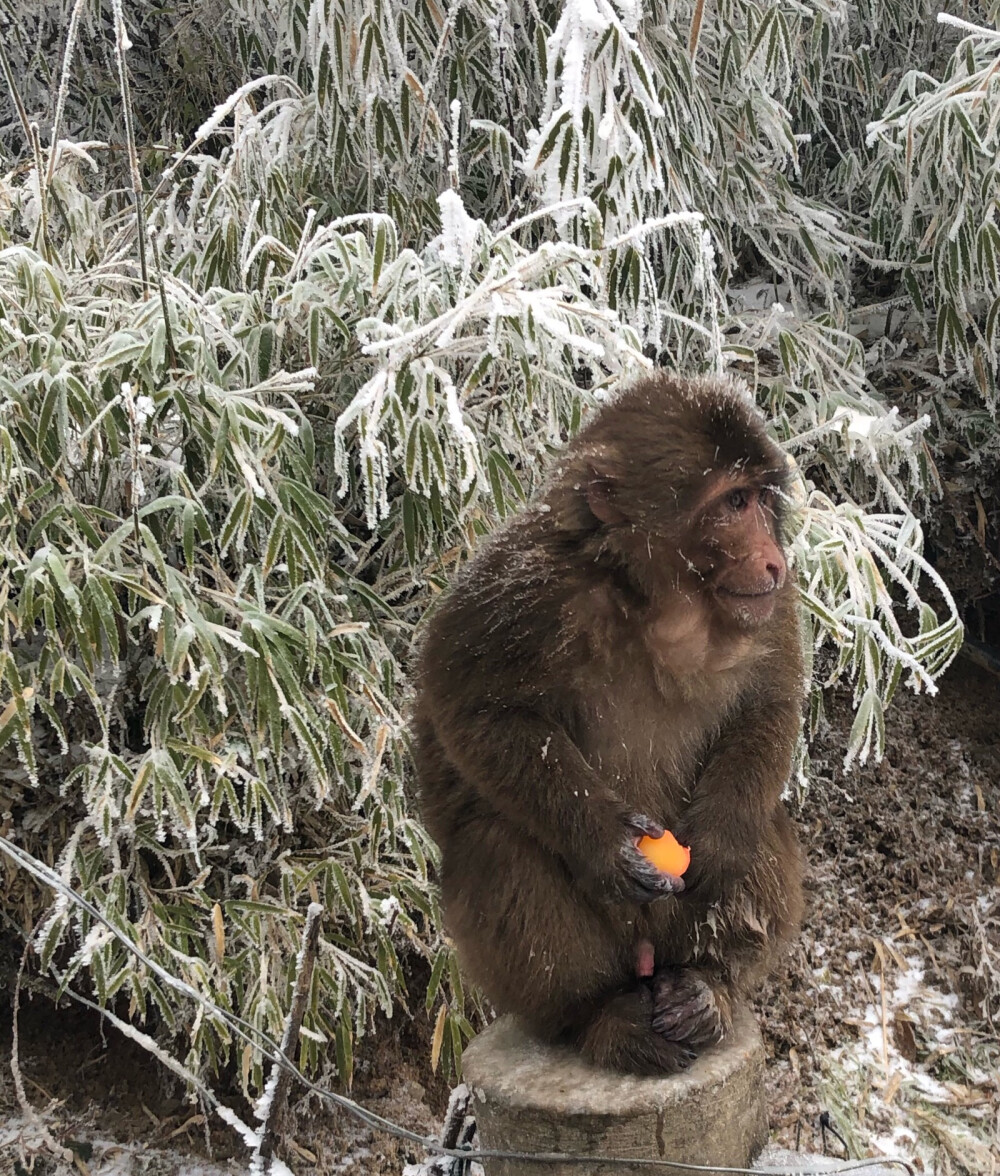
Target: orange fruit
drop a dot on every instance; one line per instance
(666, 853)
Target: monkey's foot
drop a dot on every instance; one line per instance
(620, 1037)
(687, 1010)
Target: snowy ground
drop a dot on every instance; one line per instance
(878, 1019)
(22, 1137)
(881, 1019)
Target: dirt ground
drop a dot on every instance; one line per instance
(883, 1017)
(115, 1112)
(879, 1025)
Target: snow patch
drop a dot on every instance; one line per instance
(459, 234)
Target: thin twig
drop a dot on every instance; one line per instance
(27, 1109)
(280, 1079)
(15, 93)
(121, 40)
(885, 1012)
(167, 329)
(71, 32)
(42, 230)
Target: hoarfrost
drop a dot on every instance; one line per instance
(459, 231)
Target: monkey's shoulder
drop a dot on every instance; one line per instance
(593, 611)
(503, 614)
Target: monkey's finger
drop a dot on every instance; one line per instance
(688, 1018)
(648, 881)
(637, 890)
(645, 825)
(653, 877)
(661, 883)
(685, 1008)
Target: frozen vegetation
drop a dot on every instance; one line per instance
(294, 302)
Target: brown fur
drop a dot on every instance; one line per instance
(622, 655)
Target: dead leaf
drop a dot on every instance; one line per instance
(438, 1039)
(904, 1037)
(219, 928)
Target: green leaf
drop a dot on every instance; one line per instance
(552, 138)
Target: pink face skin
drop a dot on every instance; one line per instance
(739, 555)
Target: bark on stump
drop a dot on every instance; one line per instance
(532, 1097)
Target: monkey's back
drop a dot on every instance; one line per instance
(491, 641)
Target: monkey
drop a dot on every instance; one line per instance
(621, 657)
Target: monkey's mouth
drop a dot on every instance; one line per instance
(759, 594)
(749, 606)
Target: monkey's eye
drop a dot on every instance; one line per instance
(737, 499)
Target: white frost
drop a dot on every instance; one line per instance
(459, 231)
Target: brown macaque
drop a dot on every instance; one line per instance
(621, 657)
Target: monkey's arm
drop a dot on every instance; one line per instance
(737, 791)
(526, 768)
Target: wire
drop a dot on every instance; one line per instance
(272, 1051)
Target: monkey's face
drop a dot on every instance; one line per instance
(736, 550)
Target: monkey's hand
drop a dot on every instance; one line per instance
(737, 794)
(638, 879)
(718, 861)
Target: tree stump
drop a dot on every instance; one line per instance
(531, 1097)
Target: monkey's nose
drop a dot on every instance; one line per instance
(776, 571)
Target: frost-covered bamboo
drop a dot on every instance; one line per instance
(397, 253)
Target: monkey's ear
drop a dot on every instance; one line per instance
(601, 492)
